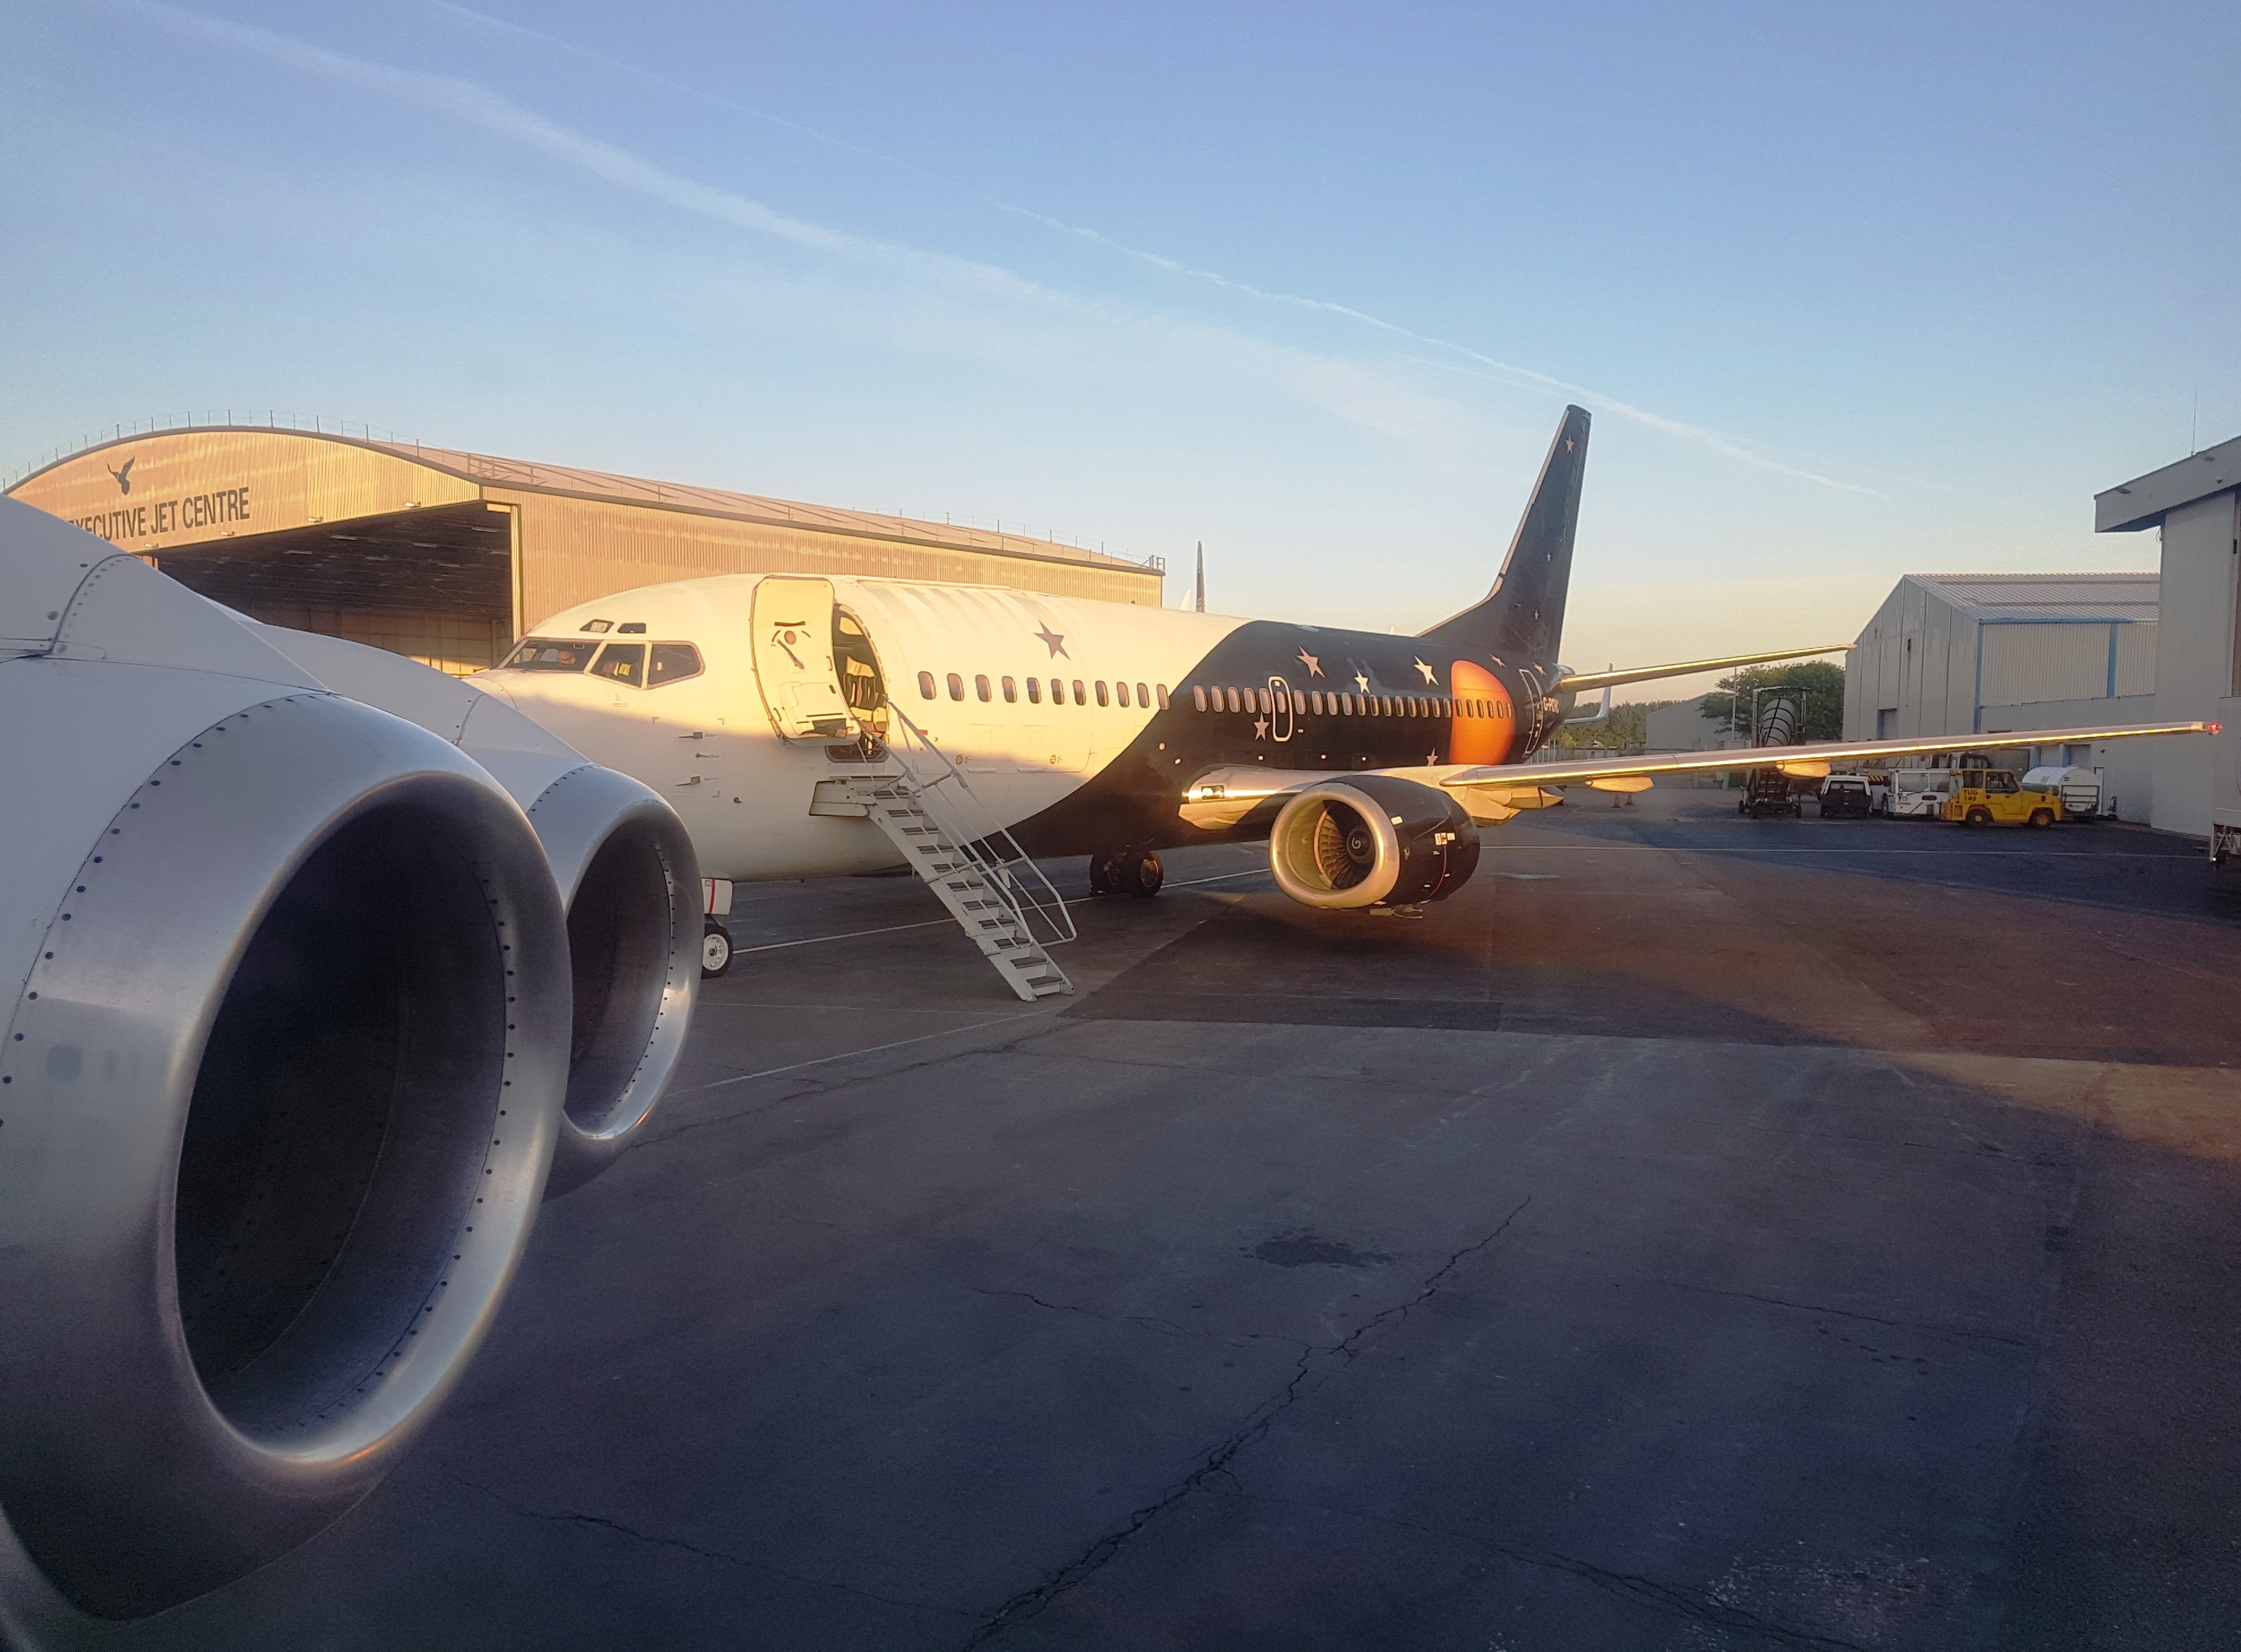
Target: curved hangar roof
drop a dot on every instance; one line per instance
(305, 528)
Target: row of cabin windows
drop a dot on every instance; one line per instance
(1315, 703)
(618, 662)
(1119, 694)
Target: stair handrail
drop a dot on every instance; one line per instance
(1008, 869)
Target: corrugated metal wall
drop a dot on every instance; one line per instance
(2024, 663)
(2135, 659)
(574, 550)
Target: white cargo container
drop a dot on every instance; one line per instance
(2077, 788)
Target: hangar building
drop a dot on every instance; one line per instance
(1967, 654)
(450, 557)
(2194, 505)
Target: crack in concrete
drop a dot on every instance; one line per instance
(600, 1522)
(1697, 1605)
(1075, 1572)
(1963, 1332)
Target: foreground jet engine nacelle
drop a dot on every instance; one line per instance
(291, 1028)
(627, 878)
(1371, 840)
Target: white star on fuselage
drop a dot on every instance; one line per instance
(1429, 674)
(1260, 728)
(1054, 640)
(1314, 666)
(1361, 682)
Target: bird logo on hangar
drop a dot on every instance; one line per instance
(124, 475)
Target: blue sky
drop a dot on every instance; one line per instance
(1852, 291)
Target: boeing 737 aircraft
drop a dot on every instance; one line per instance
(1367, 760)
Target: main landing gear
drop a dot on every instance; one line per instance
(1131, 872)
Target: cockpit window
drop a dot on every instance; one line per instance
(548, 653)
(624, 662)
(672, 663)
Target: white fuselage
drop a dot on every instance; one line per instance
(711, 743)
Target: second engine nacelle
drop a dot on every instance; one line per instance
(1371, 840)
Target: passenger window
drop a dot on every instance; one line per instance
(1198, 698)
(1299, 703)
(622, 663)
(925, 685)
(672, 663)
(1315, 701)
(1035, 691)
(1010, 692)
(1079, 699)
(980, 687)
(1101, 700)
(1230, 694)
(1058, 692)
(1268, 704)
(1163, 695)
(1121, 692)
(956, 686)
(1143, 699)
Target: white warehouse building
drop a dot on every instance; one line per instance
(2194, 505)
(1965, 654)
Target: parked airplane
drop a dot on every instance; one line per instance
(1367, 760)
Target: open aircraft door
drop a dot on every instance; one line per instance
(793, 622)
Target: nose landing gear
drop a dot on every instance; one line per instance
(1130, 871)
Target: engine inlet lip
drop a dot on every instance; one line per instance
(122, 1477)
(579, 818)
(1292, 837)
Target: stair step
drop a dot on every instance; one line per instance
(975, 892)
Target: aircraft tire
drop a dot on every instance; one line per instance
(1141, 872)
(715, 951)
(1101, 874)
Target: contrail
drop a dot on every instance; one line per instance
(1718, 442)
(1337, 387)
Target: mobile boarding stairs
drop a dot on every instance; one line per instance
(999, 897)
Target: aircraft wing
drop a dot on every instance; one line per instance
(1584, 681)
(1494, 792)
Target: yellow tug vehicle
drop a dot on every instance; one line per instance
(1994, 797)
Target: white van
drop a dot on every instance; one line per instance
(1915, 794)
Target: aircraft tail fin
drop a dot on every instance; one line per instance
(1522, 617)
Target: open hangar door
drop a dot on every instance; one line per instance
(437, 583)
